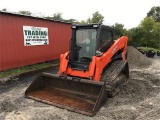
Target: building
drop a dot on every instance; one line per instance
(26, 40)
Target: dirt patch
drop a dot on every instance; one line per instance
(137, 59)
(7, 106)
(16, 115)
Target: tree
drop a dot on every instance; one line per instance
(154, 13)
(118, 30)
(96, 18)
(38, 14)
(135, 36)
(25, 12)
(71, 21)
(4, 9)
(149, 32)
(57, 16)
(48, 17)
(82, 22)
(146, 34)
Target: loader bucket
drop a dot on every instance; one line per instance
(79, 95)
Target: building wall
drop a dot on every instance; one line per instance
(14, 54)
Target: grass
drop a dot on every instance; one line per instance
(20, 70)
(148, 48)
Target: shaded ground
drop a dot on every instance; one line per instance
(137, 100)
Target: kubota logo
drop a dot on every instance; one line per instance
(114, 49)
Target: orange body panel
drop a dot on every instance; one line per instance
(97, 64)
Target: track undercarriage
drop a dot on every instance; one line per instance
(116, 74)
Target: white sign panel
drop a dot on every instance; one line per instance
(35, 35)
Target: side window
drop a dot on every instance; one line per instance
(105, 35)
(105, 40)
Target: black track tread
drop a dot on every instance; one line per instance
(113, 71)
(111, 75)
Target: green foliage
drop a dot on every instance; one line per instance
(25, 12)
(154, 13)
(134, 36)
(82, 22)
(48, 17)
(147, 26)
(146, 34)
(57, 16)
(96, 18)
(71, 21)
(4, 9)
(119, 30)
(148, 48)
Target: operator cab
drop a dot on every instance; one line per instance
(88, 41)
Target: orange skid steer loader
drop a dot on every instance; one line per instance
(90, 72)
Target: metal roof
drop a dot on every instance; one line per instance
(22, 15)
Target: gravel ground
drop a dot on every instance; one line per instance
(137, 59)
(137, 100)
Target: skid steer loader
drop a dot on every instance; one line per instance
(89, 73)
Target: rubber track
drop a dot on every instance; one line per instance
(110, 75)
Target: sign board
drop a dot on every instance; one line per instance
(35, 35)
